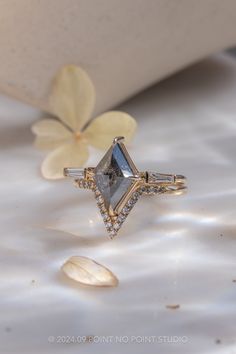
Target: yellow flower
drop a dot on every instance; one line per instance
(72, 100)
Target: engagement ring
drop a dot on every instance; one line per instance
(117, 184)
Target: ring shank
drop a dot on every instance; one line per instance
(172, 184)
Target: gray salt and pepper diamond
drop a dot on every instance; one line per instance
(113, 175)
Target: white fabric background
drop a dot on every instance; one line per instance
(172, 250)
(125, 46)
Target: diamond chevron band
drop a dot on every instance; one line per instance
(117, 184)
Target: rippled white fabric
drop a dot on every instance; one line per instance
(172, 250)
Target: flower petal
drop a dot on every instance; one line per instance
(50, 134)
(105, 127)
(50, 128)
(73, 97)
(86, 271)
(45, 143)
(71, 154)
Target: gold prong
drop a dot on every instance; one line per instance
(118, 139)
(180, 179)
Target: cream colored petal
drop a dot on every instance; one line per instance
(105, 127)
(45, 143)
(68, 155)
(86, 271)
(51, 128)
(50, 134)
(73, 97)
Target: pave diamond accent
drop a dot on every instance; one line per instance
(114, 223)
(82, 183)
(114, 175)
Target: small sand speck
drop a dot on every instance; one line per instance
(173, 307)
